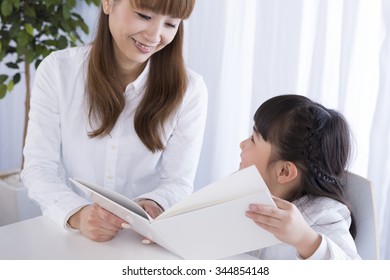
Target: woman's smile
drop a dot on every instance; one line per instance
(142, 47)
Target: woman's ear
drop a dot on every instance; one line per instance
(106, 6)
(286, 172)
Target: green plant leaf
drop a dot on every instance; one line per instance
(22, 39)
(16, 4)
(15, 29)
(65, 12)
(3, 91)
(51, 43)
(84, 27)
(72, 38)
(3, 78)
(30, 11)
(71, 3)
(52, 2)
(29, 28)
(2, 54)
(16, 78)
(12, 65)
(37, 62)
(62, 43)
(30, 57)
(6, 7)
(10, 85)
(96, 2)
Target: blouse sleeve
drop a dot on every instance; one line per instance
(42, 173)
(337, 243)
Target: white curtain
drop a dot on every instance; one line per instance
(336, 52)
(379, 152)
(221, 47)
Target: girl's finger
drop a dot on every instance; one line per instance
(265, 210)
(281, 203)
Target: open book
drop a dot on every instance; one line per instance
(209, 224)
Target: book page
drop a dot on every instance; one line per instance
(239, 184)
(216, 231)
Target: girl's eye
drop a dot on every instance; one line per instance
(144, 16)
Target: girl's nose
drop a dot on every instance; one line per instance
(242, 144)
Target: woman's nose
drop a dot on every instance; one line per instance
(153, 33)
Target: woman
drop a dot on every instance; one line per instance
(124, 113)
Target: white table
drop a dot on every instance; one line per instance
(41, 239)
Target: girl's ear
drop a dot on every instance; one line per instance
(286, 172)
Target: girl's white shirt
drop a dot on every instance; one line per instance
(331, 219)
(58, 147)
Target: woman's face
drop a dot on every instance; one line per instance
(137, 34)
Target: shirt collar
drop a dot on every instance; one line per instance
(140, 82)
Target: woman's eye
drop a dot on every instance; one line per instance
(144, 16)
(171, 25)
(252, 139)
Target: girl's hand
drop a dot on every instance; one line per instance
(287, 224)
(96, 223)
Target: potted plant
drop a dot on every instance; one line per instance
(29, 31)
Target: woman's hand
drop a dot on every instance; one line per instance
(97, 223)
(153, 209)
(287, 224)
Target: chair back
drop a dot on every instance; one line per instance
(359, 191)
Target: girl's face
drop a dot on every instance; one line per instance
(281, 177)
(137, 34)
(256, 151)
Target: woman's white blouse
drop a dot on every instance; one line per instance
(331, 219)
(58, 147)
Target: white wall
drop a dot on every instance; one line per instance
(11, 127)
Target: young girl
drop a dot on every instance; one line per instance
(124, 113)
(301, 150)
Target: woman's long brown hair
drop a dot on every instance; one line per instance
(166, 84)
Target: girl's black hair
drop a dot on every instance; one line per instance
(316, 139)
